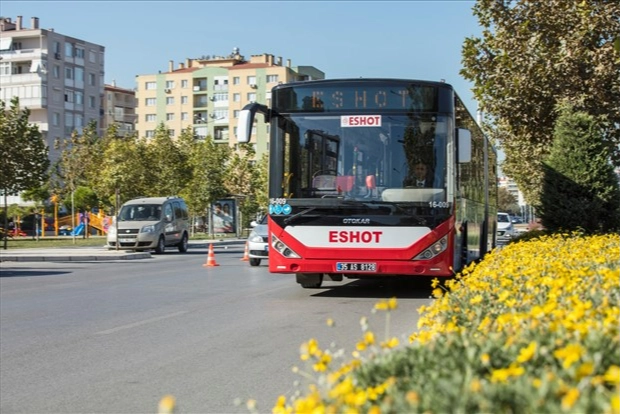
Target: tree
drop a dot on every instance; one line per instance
(169, 171)
(239, 179)
(23, 152)
(581, 189)
(533, 55)
(76, 160)
(207, 162)
(507, 202)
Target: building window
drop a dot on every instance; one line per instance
(92, 56)
(185, 116)
(170, 84)
(184, 100)
(79, 97)
(68, 50)
(149, 102)
(92, 80)
(171, 132)
(272, 78)
(220, 97)
(236, 97)
(236, 113)
(252, 97)
(55, 71)
(150, 86)
(184, 83)
(236, 80)
(150, 133)
(92, 102)
(170, 100)
(56, 119)
(79, 52)
(69, 96)
(220, 114)
(79, 74)
(251, 80)
(68, 73)
(170, 116)
(150, 117)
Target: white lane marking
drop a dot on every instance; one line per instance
(135, 324)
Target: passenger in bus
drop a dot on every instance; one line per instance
(418, 176)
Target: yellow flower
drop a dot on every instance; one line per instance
(475, 385)
(526, 354)
(476, 300)
(612, 375)
(437, 293)
(485, 359)
(435, 282)
(391, 343)
(570, 354)
(389, 304)
(584, 370)
(570, 398)
(330, 322)
(412, 397)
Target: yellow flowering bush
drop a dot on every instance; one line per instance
(533, 328)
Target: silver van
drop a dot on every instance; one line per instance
(151, 223)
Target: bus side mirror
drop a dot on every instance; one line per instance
(464, 145)
(246, 119)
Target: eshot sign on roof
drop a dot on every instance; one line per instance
(348, 121)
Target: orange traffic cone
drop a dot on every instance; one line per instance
(246, 256)
(211, 258)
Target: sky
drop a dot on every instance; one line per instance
(343, 39)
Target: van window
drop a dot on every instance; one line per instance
(168, 211)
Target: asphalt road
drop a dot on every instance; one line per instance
(115, 337)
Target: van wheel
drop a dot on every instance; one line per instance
(309, 280)
(183, 244)
(254, 261)
(161, 245)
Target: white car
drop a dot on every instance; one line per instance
(258, 242)
(505, 230)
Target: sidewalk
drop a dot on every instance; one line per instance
(90, 254)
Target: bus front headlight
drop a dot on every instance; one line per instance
(433, 250)
(283, 249)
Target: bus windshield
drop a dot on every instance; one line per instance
(395, 157)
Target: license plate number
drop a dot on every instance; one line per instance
(126, 240)
(356, 267)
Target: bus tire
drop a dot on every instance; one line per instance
(309, 280)
(464, 247)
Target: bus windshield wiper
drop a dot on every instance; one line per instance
(298, 214)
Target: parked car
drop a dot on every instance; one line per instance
(258, 245)
(151, 223)
(505, 230)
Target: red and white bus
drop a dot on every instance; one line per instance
(343, 201)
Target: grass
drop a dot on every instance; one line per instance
(68, 241)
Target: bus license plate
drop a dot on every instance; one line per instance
(356, 267)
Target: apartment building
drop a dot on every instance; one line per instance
(119, 108)
(58, 77)
(207, 94)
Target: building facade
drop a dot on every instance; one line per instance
(59, 78)
(119, 108)
(206, 94)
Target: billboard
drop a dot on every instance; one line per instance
(223, 216)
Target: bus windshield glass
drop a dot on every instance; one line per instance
(395, 157)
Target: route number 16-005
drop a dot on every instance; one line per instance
(439, 204)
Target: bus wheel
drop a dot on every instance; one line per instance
(309, 280)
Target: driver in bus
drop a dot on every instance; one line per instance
(418, 177)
